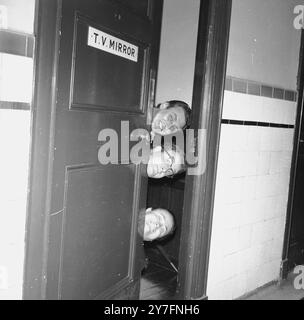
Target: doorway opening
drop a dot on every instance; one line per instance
(175, 81)
(159, 277)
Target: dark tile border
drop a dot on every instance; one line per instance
(259, 89)
(16, 43)
(257, 124)
(8, 105)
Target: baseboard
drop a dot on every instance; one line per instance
(255, 291)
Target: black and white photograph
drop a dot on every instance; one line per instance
(151, 150)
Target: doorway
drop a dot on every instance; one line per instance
(175, 76)
(159, 278)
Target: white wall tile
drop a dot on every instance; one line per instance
(269, 272)
(245, 237)
(234, 191)
(239, 106)
(253, 138)
(230, 264)
(270, 204)
(251, 196)
(287, 139)
(239, 287)
(263, 167)
(252, 279)
(290, 113)
(231, 215)
(249, 188)
(231, 237)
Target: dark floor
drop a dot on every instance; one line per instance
(158, 281)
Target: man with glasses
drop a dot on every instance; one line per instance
(171, 117)
(165, 162)
(156, 224)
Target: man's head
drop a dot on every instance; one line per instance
(165, 162)
(172, 117)
(159, 223)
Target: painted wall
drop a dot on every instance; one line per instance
(264, 43)
(177, 50)
(254, 160)
(17, 15)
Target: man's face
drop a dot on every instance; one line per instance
(169, 121)
(158, 224)
(163, 163)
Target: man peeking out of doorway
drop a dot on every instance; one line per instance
(171, 117)
(167, 158)
(156, 224)
(165, 162)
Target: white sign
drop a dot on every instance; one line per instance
(105, 42)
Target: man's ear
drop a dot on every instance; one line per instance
(148, 210)
(163, 106)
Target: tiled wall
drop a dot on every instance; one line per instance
(14, 142)
(251, 190)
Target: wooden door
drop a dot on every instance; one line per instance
(103, 78)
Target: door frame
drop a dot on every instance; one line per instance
(47, 21)
(294, 162)
(207, 106)
(209, 80)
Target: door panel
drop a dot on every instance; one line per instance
(94, 250)
(98, 75)
(97, 231)
(139, 6)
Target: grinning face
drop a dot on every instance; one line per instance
(169, 121)
(158, 224)
(163, 163)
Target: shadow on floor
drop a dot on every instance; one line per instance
(159, 280)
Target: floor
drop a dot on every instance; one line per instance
(283, 291)
(159, 279)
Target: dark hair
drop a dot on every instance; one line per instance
(177, 103)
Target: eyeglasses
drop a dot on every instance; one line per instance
(169, 172)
